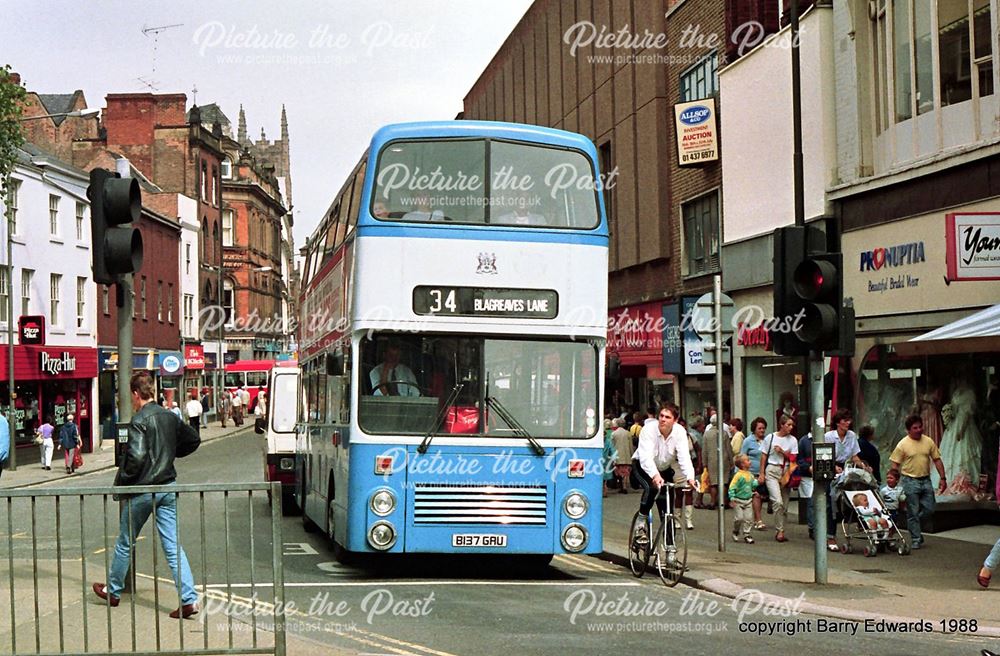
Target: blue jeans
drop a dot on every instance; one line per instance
(919, 504)
(139, 508)
(993, 560)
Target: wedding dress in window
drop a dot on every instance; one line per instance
(962, 443)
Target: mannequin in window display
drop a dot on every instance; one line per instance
(929, 407)
(962, 443)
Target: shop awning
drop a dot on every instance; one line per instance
(976, 333)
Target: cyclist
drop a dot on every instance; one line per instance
(661, 445)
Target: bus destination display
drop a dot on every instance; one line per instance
(485, 302)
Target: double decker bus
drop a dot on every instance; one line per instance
(452, 343)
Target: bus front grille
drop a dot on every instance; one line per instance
(479, 504)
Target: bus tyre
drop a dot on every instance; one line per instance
(289, 506)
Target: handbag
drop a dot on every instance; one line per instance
(77, 459)
(38, 439)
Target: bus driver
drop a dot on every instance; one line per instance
(393, 378)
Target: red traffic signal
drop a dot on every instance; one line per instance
(817, 282)
(116, 249)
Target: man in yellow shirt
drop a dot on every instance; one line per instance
(913, 455)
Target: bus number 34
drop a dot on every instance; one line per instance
(449, 301)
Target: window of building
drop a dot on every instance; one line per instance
(53, 215)
(4, 291)
(228, 219)
(227, 169)
(701, 234)
(55, 282)
(27, 275)
(214, 187)
(106, 299)
(159, 300)
(227, 301)
(13, 192)
(188, 314)
(904, 43)
(142, 297)
(204, 181)
(81, 302)
(187, 259)
(170, 302)
(701, 80)
(80, 209)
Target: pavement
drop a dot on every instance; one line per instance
(30, 472)
(934, 584)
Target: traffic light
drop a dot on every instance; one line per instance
(116, 248)
(809, 295)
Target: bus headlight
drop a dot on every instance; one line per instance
(287, 464)
(576, 505)
(382, 535)
(383, 502)
(574, 538)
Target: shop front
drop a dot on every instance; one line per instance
(51, 382)
(907, 279)
(635, 374)
(194, 368)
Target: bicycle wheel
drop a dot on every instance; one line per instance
(671, 551)
(638, 554)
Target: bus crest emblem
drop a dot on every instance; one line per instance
(487, 263)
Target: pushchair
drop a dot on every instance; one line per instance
(864, 516)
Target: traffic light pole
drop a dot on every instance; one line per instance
(125, 301)
(11, 412)
(820, 487)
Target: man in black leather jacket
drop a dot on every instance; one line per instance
(156, 437)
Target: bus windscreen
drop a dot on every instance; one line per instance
(475, 181)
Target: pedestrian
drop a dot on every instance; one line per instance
(710, 462)
(752, 447)
(913, 456)
(806, 488)
(225, 406)
(4, 441)
(205, 405)
(847, 450)
(156, 437)
(869, 452)
(741, 490)
(176, 410)
(623, 463)
(776, 461)
(193, 407)
(69, 441)
(608, 457)
(737, 442)
(237, 403)
(45, 432)
(260, 413)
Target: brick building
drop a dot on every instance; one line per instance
(665, 219)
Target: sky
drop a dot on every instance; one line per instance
(342, 69)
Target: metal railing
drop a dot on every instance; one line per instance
(54, 610)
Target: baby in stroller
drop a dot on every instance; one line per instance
(865, 514)
(869, 512)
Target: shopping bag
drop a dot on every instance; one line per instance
(77, 459)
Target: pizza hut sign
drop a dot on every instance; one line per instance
(55, 366)
(32, 329)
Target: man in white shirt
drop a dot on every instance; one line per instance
(193, 408)
(392, 377)
(237, 401)
(661, 446)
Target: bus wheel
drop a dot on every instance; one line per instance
(289, 506)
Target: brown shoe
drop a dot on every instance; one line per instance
(101, 591)
(187, 610)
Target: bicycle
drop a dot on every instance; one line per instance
(669, 543)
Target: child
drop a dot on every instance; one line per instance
(892, 494)
(740, 493)
(871, 516)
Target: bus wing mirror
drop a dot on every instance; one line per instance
(335, 364)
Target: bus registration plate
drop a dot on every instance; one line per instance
(478, 540)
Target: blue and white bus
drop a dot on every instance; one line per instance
(452, 335)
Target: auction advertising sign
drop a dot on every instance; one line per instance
(973, 246)
(697, 132)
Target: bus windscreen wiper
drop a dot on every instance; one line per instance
(439, 420)
(512, 421)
